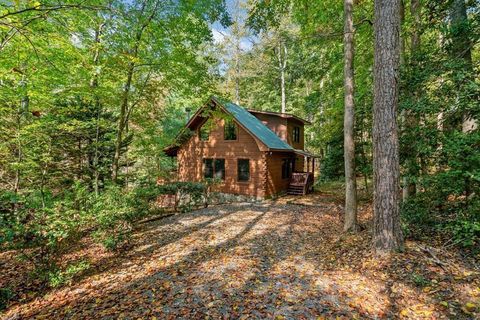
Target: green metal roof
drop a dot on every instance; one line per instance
(255, 126)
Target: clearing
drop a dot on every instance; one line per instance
(269, 260)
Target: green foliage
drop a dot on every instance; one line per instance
(57, 278)
(420, 280)
(332, 166)
(6, 295)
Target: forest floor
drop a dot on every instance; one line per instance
(284, 259)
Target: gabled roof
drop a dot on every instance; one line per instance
(247, 120)
(254, 126)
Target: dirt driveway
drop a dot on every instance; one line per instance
(256, 261)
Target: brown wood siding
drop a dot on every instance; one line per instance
(192, 153)
(283, 128)
(291, 123)
(275, 123)
(275, 183)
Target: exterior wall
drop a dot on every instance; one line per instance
(275, 123)
(275, 183)
(191, 155)
(291, 123)
(299, 163)
(283, 128)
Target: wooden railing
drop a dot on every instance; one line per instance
(301, 183)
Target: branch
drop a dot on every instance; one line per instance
(52, 8)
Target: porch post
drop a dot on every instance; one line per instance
(313, 168)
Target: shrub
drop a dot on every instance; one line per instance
(57, 278)
(113, 213)
(187, 194)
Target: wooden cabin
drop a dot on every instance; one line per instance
(254, 153)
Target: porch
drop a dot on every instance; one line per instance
(301, 182)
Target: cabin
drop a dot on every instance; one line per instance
(253, 153)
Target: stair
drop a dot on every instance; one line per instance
(301, 183)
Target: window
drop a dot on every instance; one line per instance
(219, 169)
(230, 130)
(243, 169)
(208, 168)
(287, 168)
(204, 133)
(214, 168)
(296, 134)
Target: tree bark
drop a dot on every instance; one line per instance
(387, 232)
(349, 121)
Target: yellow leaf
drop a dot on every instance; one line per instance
(444, 304)
(470, 306)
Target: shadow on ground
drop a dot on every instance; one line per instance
(272, 260)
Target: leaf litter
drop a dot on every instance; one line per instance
(274, 260)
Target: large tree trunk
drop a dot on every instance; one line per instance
(461, 49)
(387, 232)
(349, 120)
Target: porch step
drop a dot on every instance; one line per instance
(300, 183)
(293, 189)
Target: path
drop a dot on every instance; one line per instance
(252, 261)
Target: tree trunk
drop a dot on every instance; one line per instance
(124, 110)
(461, 49)
(237, 72)
(349, 121)
(387, 232)
(282, 65)
(94, 86)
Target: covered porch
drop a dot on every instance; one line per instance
(302, 181)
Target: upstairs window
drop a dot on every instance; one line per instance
(243, 169)
(214, 168)
(296, 134)
(204, 133)
(230, 130)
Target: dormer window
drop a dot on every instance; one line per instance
(230, 130)
(296, 134)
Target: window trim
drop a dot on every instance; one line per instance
(214, 171)
(238, 171)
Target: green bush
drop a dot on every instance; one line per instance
(114, 213)
(187, 194)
